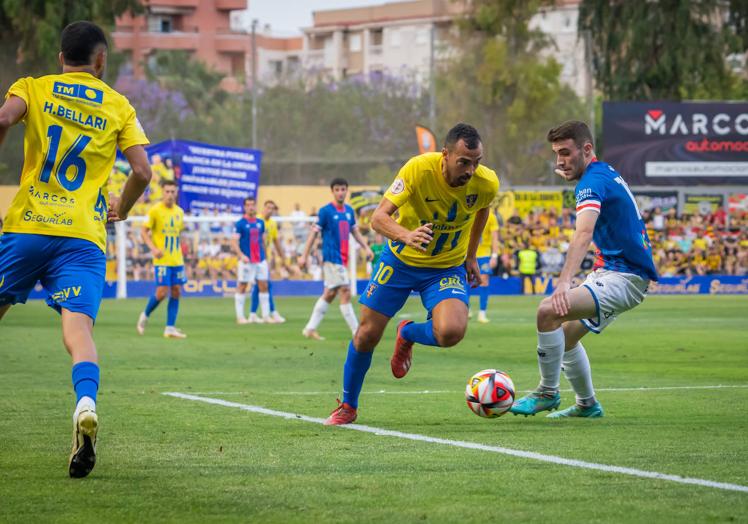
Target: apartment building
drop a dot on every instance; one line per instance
(201, 27)
(396, 38)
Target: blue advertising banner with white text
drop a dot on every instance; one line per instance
(216, 177)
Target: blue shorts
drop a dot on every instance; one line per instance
(484, 263)
(72, 270)
(169, 275)
(393, 280)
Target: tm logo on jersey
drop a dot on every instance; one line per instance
(454, 283)
(79, 91)
(64, 294)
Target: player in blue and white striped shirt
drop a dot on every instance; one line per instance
(335, 221)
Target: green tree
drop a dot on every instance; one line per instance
(664, 50)
(33, 28)
(499, 81)
(29, 44)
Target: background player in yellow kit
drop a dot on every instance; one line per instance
(443, 203)
(54, 231)
(488, 258)
(162, 233)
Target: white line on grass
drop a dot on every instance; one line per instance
(473, 445)
(441, 392)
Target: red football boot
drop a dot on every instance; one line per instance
(343, 414)
(403, 354)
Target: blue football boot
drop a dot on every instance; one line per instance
(593, 411)
(535, 403)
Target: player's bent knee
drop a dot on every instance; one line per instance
(176, 292)
(366, 338)
(449, 336)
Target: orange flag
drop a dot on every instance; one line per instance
(426, 140)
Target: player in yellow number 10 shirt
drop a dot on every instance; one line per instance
(54, 231)
(443, 203)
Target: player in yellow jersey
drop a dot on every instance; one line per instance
(162, 233)
(271, 237)
(488, 258)
(54, 231)
(442, 200)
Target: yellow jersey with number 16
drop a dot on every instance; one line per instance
(423, 196)
(74, 124)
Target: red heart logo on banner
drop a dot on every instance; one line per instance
(655, 113)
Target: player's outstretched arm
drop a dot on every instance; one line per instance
(139, 178)
(384, 224)
(471, 261)
(145, 235)
(11, 113)
(578, 247)
(308, 247)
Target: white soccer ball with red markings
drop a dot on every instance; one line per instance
(489, 393)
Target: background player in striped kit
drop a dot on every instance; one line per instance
(269, 208)
(335, 222)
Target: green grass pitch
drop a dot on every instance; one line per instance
(162, 458)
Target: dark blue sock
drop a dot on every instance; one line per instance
(356, 366)
(171, 311)
(422, 332)
(86, 380)
(270, 295)
(255, 299)
(153, 303)
(483, 293)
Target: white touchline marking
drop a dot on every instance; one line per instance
(472, 445)
(452, 392)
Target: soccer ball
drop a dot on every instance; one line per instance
(489, 393)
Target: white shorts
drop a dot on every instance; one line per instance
(247, 272)
(336, 275)
(614, 292)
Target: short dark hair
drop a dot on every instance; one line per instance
(165, 183)
(270, 202)
(338, 182)
(464, 132)
(574, 129)
(250, 199)
(79, 41)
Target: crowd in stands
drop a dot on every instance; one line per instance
(686, 245)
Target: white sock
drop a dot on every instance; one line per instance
(550, 353)
(318, 313)
(578, 372)
(265, 304)
(239, 300)
(350, 316)
(84, 403)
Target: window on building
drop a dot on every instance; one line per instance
(423, 36)
(161, 23)
(276, 67)
(293, 64)
(376, 37)
(354, 43)
(238, 64)
(394, 37)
